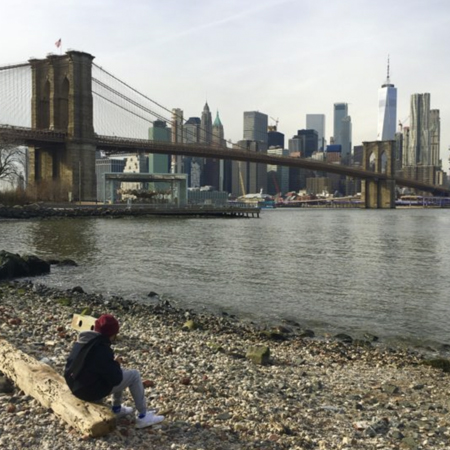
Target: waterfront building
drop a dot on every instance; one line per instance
(319, 185)
(103, 166)
(387, 110)
(134, 164)
(317, 122)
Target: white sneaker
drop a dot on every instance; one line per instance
(149, 419)
(124, 411)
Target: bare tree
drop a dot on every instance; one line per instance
(12, 161)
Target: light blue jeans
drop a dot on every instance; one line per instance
(132, 380)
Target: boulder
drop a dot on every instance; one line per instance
(438, 363)
(36, 266)
(258, 354)
(13, 265)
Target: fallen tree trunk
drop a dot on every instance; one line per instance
(48, 387)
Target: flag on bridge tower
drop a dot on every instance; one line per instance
(58, 43)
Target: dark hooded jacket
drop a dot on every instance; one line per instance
(99, 372)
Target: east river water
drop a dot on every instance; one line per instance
(384, 272)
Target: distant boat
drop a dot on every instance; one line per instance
(260, 199)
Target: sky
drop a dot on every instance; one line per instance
(285, 58)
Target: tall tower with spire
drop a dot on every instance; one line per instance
(387, 110)
(206, 126)
(217, 132)
(213, 173)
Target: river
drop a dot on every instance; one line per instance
(384, 272)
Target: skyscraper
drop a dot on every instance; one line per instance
(159, 132)
(340, 111)
(214, 167)
(255, 127)
(387, 110)
(342, 131)
(435, 137)
(419, 136)
(275, 138)
(218, 132)
(317, 122)
(206, 129)
(346, 137)
(177, 137)
(192, 165)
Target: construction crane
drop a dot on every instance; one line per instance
(401, 123)
(274, 128)
(241, 181)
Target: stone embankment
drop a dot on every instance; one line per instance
(38, 210)
(70, 210)
(304, 393)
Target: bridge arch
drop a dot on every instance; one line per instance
(383, 162)
(372, 162)
(63, 106)
(378, 157)
(44, 106)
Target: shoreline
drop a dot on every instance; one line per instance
(314, 394)
(321, 330)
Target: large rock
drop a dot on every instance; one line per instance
(36, 266)
(258, 354)
(13, 265)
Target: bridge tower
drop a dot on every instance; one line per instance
(378, 156)
(62, 100)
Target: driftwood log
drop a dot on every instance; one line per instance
(40, 381)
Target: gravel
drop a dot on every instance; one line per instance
(315, 393)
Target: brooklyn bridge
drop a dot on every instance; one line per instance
(57, 106)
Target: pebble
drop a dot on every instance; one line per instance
(315, 393)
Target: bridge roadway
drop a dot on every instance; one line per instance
(117, 145)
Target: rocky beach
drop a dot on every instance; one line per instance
(310, 393)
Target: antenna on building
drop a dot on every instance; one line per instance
(388, 78)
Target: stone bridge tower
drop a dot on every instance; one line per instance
(62, 101)
(378, 156)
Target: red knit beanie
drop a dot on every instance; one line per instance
(107, 325)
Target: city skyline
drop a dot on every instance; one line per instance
(223, 54)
